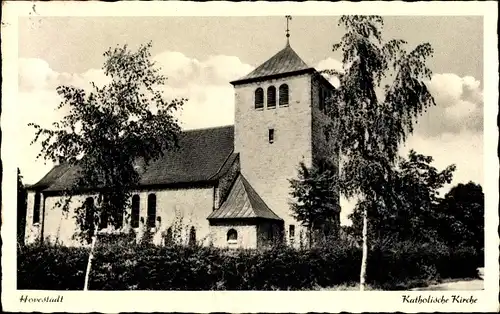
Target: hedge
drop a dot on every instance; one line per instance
(146, 267)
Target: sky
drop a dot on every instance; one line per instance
(200, 55)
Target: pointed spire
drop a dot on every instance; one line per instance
(288, 18)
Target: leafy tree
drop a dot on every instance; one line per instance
(107, 131)
(381, 93)
(415, 216)
(21, 208)
(462, 216)
(316, 204)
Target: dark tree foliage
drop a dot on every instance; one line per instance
(415, 215)
(109, 129)
(462, 216)
(316, 200)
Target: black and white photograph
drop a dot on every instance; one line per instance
(188, 148)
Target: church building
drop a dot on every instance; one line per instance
(225, 186)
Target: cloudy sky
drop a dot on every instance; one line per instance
(200, 55)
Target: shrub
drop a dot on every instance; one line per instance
(125, 265)
(50, 267)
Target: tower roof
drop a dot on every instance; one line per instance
(285, 62)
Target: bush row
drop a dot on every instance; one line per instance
(145, 267)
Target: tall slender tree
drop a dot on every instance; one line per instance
(382, 91)
(107, 131)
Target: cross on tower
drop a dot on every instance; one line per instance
(288, 18)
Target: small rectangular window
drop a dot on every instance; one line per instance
(36, 209)
(271, 136)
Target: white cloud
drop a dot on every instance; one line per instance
(206, 85)
(331, 64)
(464, 149)
(35, 74)
(459, 106)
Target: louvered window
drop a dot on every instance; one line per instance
(259, 98)
(271, 97)
(283, 94)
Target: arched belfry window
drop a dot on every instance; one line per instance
(151, 210)
(259, 98)
(271, 97)
(283, 93)
(232, 236)
(134, 215)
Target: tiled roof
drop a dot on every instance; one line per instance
(201, 156)
(283, 62)
(243, 202)
(51, 177)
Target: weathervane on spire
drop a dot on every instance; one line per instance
(288, 18)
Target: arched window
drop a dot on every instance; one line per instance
(36, 209)
(283, 93)
(259, 98)
(271, 97)
(151, 210)
(232, 236)
(134, 216)
(89, 212)
(192, 236)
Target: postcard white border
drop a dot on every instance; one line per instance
(322, 301)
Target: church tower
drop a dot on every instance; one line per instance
(279, 122)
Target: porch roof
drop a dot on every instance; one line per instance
(243, 202)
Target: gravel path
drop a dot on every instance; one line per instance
(463, 285)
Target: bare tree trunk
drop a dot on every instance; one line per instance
(364, 259)
(89, 263)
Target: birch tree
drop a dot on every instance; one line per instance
(106, 131)
(382, 92)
